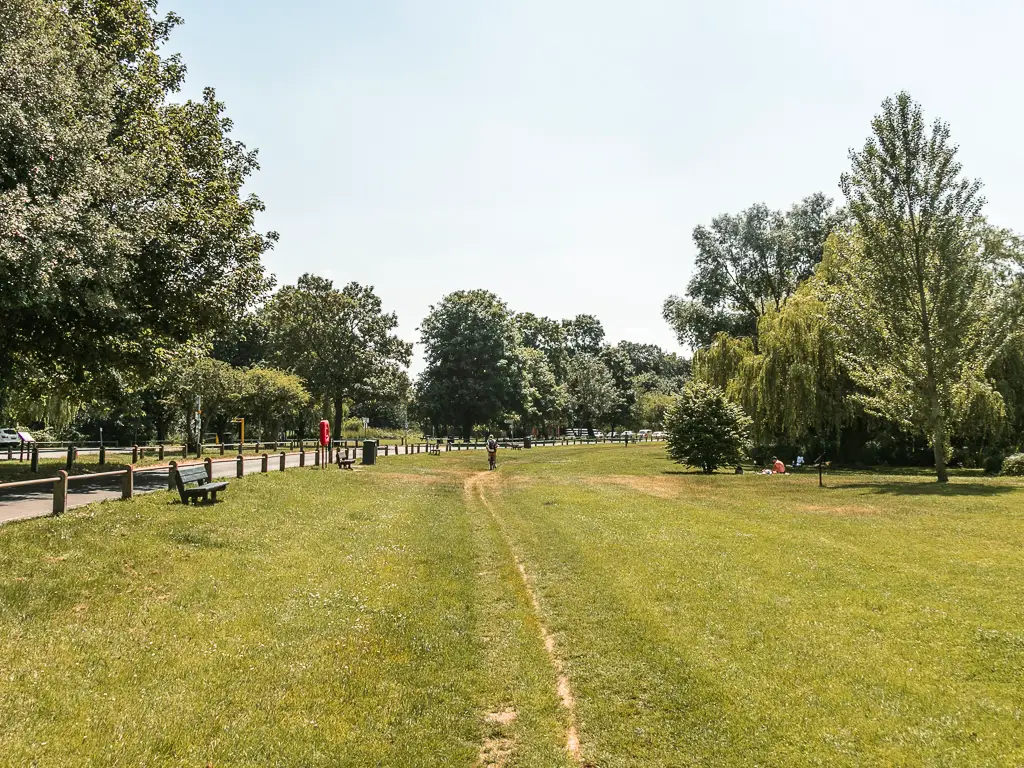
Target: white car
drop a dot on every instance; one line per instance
(659, 435)
(9, 437)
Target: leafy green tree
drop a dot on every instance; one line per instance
(650, 408)
(584, 335)
(747, 265)
(917, 304)
(620, 366)
(794, 387)
(591, 390)
(204, 391)
(123, 230)
(706, 429)
(341, 342)
(546, 335)
(472, 375)
(269, 398)
(543, 399)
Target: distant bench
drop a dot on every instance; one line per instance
(345, 463)
(185, 476)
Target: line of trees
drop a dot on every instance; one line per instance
(487, 366)
(887, 331)
(133, 286)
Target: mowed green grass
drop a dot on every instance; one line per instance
(312, 618)
(378, 618)
(752, 620)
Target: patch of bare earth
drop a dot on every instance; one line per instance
(474, 489)
(498, 747)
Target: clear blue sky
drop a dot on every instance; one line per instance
(560, 152)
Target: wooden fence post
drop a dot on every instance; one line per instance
(135, 454)
(209, 469)
(184, 451)
(282, 460)
(239, 467)
(60, 493)
(263, 464)
(71, 459)
(103, 454)
(222, 449)
(302, 456)
(171, 469)
(128, 485)
(316, 458)
(35, 458)
(160, 452)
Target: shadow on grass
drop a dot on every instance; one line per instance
(930, 489)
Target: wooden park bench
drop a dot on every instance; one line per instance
(196, 474)
(435, 448)
(344, 463)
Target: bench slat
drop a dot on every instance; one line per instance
(192, 474)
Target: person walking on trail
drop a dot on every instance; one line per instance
(492, 452)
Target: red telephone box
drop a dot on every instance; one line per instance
(325, 433)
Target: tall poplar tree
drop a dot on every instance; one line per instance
(917, 304)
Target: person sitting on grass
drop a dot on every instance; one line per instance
(778, 467)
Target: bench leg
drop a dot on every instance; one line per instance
(213, 497)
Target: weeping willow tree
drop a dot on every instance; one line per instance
(793, 387)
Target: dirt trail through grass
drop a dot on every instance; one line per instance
(475, 490)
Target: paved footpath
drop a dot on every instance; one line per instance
(22, 504)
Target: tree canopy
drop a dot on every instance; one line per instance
(749, 264)
(472, 374)
(916, 303)
(116, 202)
(340, 342)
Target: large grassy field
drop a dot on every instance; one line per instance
(423, 612)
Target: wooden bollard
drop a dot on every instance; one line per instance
(60, 492)
(35, 458)
(128, 484)
(222, 449)
(135, 454)
(71, 458)
(257, 448)
(316, 457)
(184, 451)
(302, 456)
(103, 454)
(171, 469)
(160, 452)
(282, 460)
(208, 462)
(263, 464)
(239, 467)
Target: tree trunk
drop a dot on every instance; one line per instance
(467, 430)
(339, 416)
(939, 446)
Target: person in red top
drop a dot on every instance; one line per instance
(778, 467)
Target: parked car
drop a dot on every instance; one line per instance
(659, 435)
(643, 433)
(9, 437)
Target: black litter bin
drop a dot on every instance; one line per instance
(527, 442)
(369, 451)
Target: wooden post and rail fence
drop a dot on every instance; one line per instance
(63, 484)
